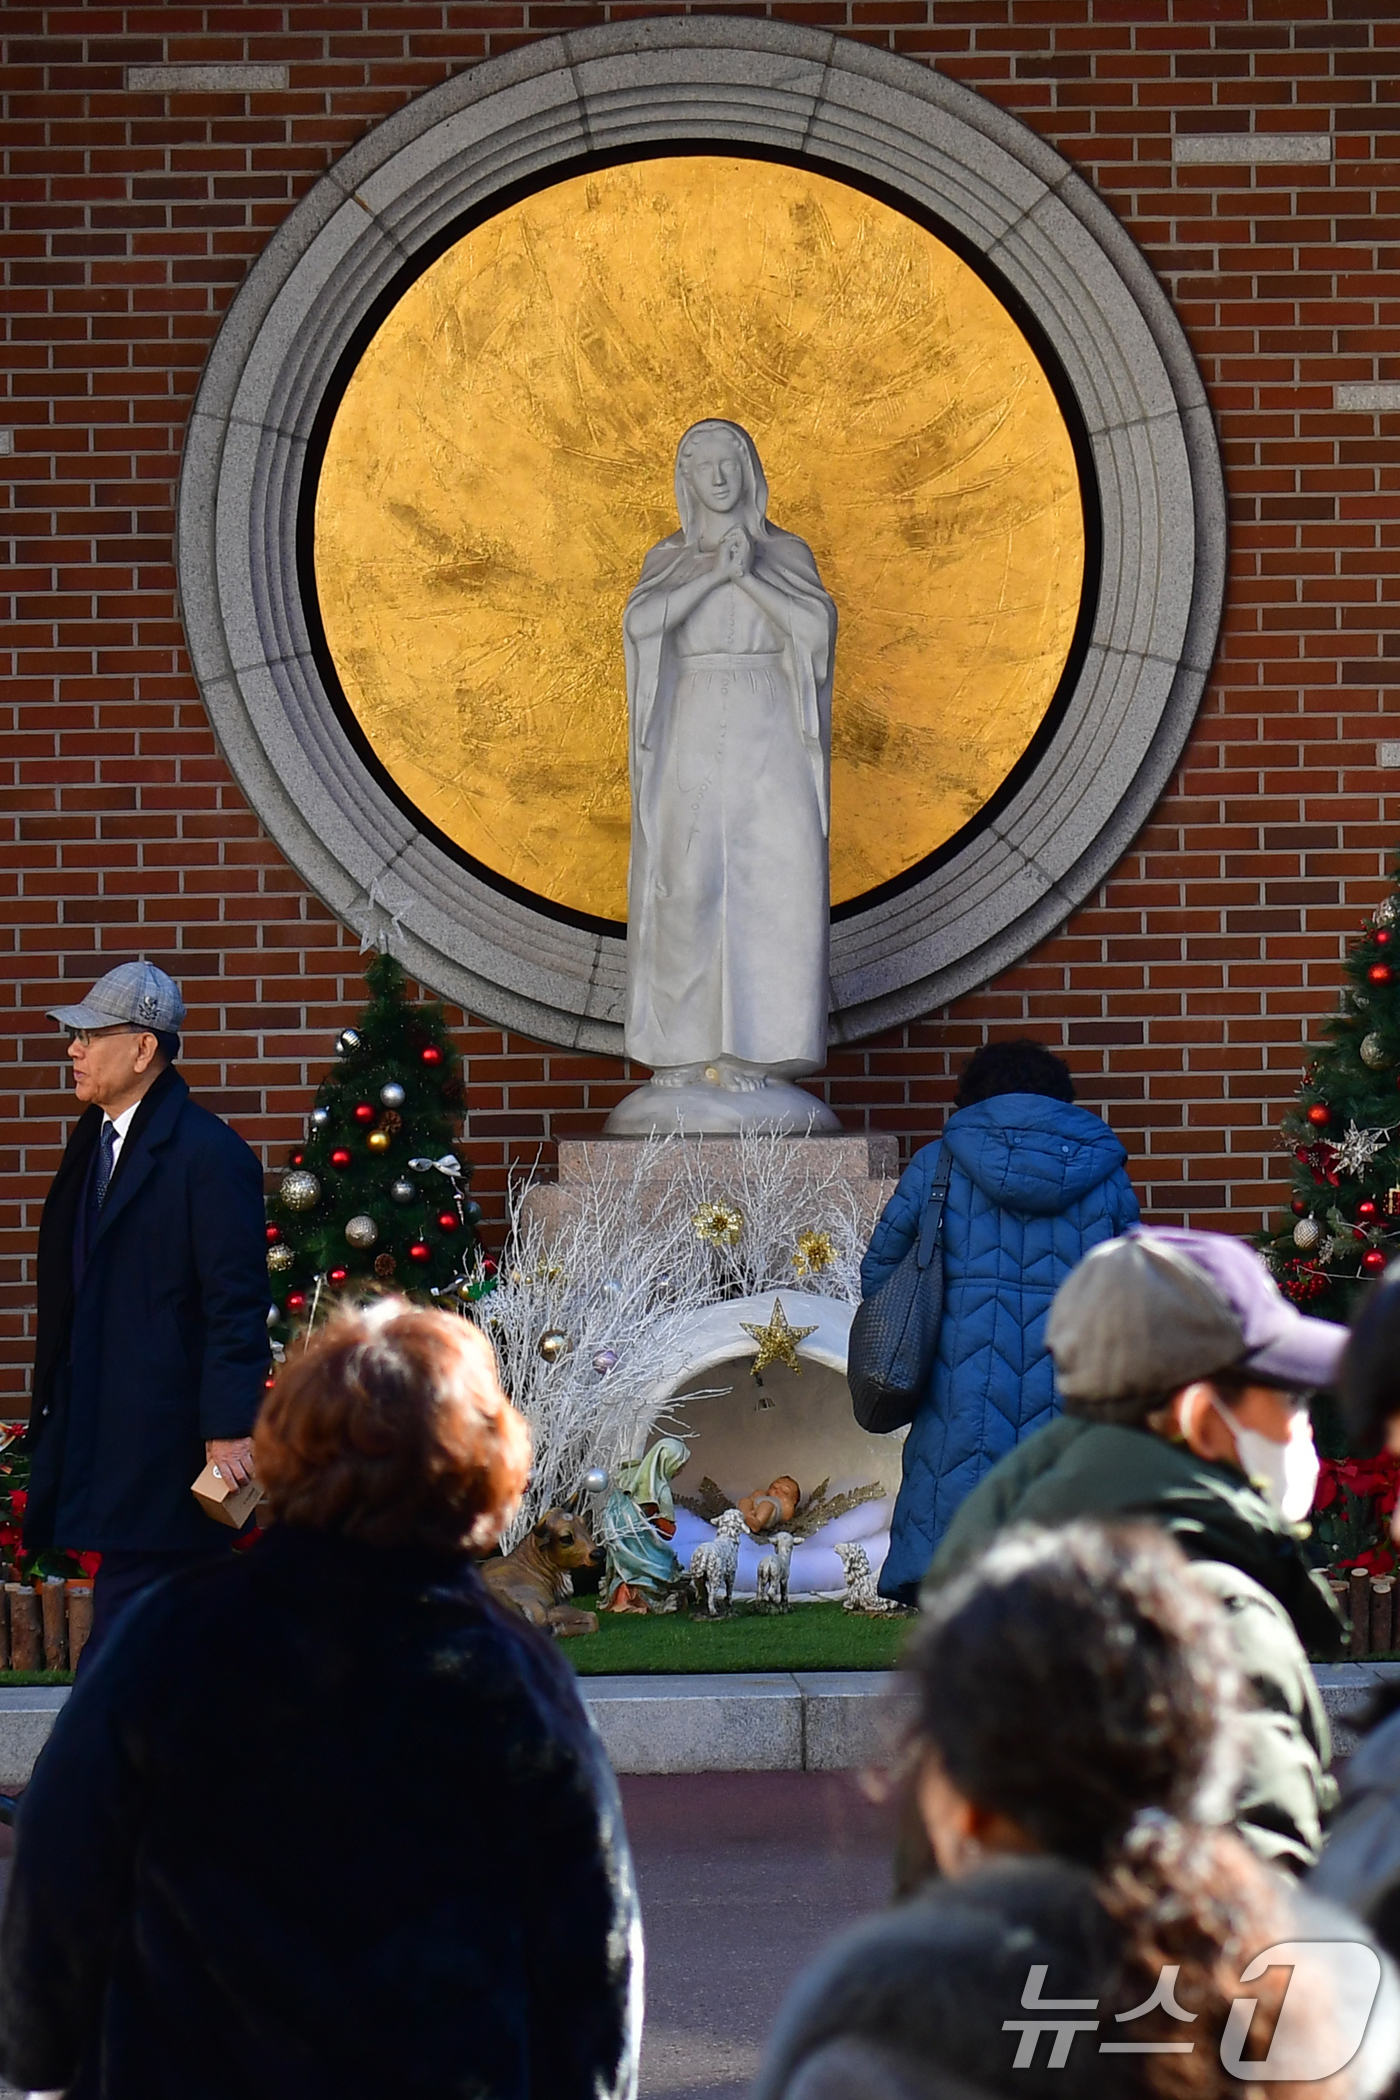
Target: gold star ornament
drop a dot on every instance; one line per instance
(777, 1342)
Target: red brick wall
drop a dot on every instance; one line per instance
(1180, 995)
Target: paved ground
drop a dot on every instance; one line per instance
(743, 1876)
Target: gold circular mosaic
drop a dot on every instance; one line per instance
(501, 460)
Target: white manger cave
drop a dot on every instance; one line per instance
(743, 1435)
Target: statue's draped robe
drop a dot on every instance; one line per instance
(729, 887)
(639, 1557)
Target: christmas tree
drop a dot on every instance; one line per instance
(1344, 1224)
(1344, 1135)
(378, 1193)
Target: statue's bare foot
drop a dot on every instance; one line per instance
(679, 1075)
(743, 1079)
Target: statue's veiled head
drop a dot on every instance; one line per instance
(718, 470)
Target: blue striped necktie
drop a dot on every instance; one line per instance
(106, 1157)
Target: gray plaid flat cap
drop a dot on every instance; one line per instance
(135, 992)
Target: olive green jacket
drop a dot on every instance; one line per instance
(1278, 1610)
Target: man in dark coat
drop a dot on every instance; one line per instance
(152, 1340)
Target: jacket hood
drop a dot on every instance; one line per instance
(1031, 1154)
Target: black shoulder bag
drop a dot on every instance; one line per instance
(894, 1335)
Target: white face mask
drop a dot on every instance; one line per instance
(1285, 1474)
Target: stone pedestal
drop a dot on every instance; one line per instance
(709, 1109)
(870, 1163)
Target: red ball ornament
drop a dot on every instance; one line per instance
(295, 1300)
(1379, 973)
(364, 1112)
(340, 1158)
(1299, 1206)
(488, 1268)
(420, 1251)
(1365, 1208)
(339, 1275)
(1381, 936)
(297, 1158)
(1373, 1262)
(447, 1221)
(274, 1234)
(269, 1382)
(432, 1055)
(1319, 1114)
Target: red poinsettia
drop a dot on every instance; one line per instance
(19, 1501)
(1377, 1477)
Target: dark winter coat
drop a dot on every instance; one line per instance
(928, 2001)
(322, 1823)
(1035, 1184)
(1360, 1864)
(162, 1346)
(1276, 1613)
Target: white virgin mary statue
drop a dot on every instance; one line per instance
(729, 641)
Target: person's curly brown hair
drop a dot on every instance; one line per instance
(390, 1427)
(1079, 1683)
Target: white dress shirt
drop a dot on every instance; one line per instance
(121, 1124)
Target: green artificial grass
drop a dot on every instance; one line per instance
(809, 1637)
(16, 1677)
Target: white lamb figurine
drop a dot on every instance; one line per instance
(861, 1593)
(714, 1565)
(773, 1574)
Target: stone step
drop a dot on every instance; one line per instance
(782, 1721)
(777, 1721)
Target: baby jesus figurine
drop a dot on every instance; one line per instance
(773, 1507)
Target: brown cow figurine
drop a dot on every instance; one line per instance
(535, 1580)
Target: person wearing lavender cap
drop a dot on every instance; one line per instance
(1185, 1375)
(151, 1349)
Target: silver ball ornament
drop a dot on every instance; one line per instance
(319, 1118)
(1373, 1051)
(603, 1361)
(1307, 1234)
(278, 1259)
(612, 1288)
(553, 1344)
(300, 1190)
(347, 1040)
(403, 1191)
(392, 1094)
(1387, 911)
(361, 1231)
(595, 1481)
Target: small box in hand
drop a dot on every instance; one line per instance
(222, 1501)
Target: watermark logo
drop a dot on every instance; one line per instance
(1332, 1986)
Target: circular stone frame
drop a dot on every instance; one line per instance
(796, 93)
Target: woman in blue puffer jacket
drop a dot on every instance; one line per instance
(1035, 1183)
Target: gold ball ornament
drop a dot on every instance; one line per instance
(1373, 1051)
(378, 1141)
(279, 1258)
(1307, 1233)
(300, 1190)
(361, 1231)
(553, 1344)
